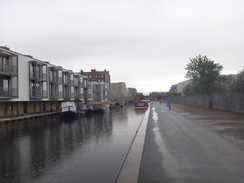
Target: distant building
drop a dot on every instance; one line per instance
(226, 82)
(179, 88)
(133, 92)
(118, 90)
(140, 94)
(100, 91)
(95, 75)
(156, 95)
(173, 89)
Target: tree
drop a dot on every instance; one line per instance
(203, 74)
(239, 83)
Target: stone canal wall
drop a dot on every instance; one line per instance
(230, 101)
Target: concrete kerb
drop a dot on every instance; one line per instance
(130, 170)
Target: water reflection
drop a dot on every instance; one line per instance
(35, 149)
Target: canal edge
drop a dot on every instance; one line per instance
(131, 166)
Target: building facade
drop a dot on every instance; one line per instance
(179, 88)
(94, 75)
(118, 90)
(29, 85)
(133, 92)
(100, 91)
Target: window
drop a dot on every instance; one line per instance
(51, 75)
(32, 70)
(5, 85)
(4, 67)
(65, 77)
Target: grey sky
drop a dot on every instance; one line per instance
(145, 43)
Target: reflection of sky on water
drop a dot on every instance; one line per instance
(89, 148)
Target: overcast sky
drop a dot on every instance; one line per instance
(144, 43)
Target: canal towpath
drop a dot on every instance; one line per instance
(186, 144)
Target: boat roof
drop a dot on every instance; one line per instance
(142, 101)
(68, 106)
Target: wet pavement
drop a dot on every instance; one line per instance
(88, 149)
(229, 125)
(192, 144)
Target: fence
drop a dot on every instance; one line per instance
(231, 101)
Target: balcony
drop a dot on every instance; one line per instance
(38, 71)
(76, 83)
(54, 95)
(60, 94)
(8, 64)
(8, 93)
(38, 76)
(5, 68)
(66, 93)
(38, 93)
(67, 81)
(52, 79)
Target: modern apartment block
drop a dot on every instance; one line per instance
(29, 85)
(118, 90)
(100, 91)
(94, 75)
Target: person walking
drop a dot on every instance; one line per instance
(169, 102)
(160, 100)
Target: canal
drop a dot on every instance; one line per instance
(89, 149)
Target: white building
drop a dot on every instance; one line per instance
(29, 85)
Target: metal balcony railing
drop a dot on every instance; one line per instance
(5, 68)
(38, 93)
(4, 92)
(8, 92)
(38, 76)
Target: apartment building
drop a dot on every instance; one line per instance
(29, 85)
(94, 75)
(100, 91)
(118, 90)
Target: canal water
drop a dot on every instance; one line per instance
(88, 149)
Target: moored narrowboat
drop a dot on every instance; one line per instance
(68, 110)
(85, 108)
(98, 107)
(141, 105)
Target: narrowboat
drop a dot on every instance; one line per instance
(98, 107)
(68, 110)
(141, 105)
(85, 108)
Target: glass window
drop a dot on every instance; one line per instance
(5, 85)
